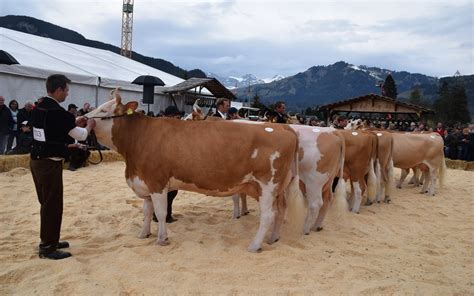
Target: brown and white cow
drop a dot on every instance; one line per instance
(321, 159)
(423, 151)
(359, 160)
(163, 154)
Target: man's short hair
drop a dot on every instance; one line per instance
(279, 104)
(221, 101)
(341, 118)
(233, 110)
(56, 81)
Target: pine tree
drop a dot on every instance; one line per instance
(389, 87)
(441, 105)
(415, 97)
(459, 112)
(257, 104)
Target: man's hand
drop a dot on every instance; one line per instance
(81, 121)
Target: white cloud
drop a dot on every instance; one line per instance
(284, 37)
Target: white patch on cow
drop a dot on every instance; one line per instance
(316, 130)
(355, 133)
(138, 186)
(268, 129)
(434, 137)
(379, 134)
(255, 153)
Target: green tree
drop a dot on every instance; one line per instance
(441, 104)
(451, 107)
(459, 111)
(389, 87)
(415, 97)
(256, 103)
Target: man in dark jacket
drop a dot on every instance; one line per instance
(280, 115)
(53, 129)
(24, 114)
(6, 124)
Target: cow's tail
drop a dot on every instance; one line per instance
(372, 179)
(442, 172)
(390, 184)
(340, 205)
(295, 202)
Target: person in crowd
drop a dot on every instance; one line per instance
(150, 113)
(78, 155)
(24, 114)
(86, 108)
(25, 140)
(313, 122)
(421, 128)
(280, 115)
(440, 129)
(233, 113)
(463, 150)
(340, 122)
(6, 124)
(451, 142)
(222, 107)
(171, 112)
(72, 108)
(470, 148)
(53, 129)
(14, 131)
(412, 127)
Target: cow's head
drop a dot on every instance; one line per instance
(105, 114)
(354, 124)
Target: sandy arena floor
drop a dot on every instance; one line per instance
(417, 245)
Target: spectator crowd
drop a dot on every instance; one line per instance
(16, 132)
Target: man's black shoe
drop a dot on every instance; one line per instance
(55, 255)
(63, 245)
(170, 220)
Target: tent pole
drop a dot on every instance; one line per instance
(97, 92)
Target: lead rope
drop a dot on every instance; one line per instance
(95, 145)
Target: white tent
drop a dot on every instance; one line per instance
(93, 72)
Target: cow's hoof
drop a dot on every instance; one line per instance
(318, 229)
(164, 242)
(378, 201)
(245, 213)
(272, 241)
(238, 217)
(144, 235)
(306, 233)
(399, 187)
(254, 250)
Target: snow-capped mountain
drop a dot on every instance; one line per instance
(232, 82)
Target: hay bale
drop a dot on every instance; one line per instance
(9, 162)
(460, 164)
(108, 156)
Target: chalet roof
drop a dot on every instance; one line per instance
(211, 84)
(334, 106)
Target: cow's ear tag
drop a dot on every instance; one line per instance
(129, 111)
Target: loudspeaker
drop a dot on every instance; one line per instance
(148, 94)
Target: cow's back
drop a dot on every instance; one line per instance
(208, 157)
(412, 149)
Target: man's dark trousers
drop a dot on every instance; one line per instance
(48, 178)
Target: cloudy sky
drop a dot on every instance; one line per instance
(265, 38)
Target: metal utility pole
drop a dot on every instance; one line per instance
(127, 23)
